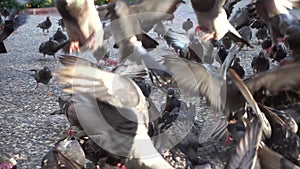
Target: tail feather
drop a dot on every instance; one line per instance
(235, 36)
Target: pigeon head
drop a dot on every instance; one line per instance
(46, 69)
(171, 92)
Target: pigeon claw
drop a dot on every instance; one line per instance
(74, 46)
(91, 43)
(208, 36)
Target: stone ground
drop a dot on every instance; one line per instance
(27, 130)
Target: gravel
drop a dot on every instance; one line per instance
(27, 130)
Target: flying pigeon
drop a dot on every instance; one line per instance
(276, 15)
(9, 25)
(82, 23)
(120, 113)
(212, 19)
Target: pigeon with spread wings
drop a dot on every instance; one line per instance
(212, 19)
(112, 107)
(83, 24)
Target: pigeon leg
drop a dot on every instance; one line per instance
(228, 139)
(49, 91)
(74, 46)
(37, 86)
(97, 166)
(91, 43)
(208, 36)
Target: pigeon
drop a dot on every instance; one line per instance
(240, 18)
(280, 52)
(283, 140)
(246, 149)
(245, 32)
(45, 25)
(130, 48)
(123, 123)
(7, 162)
(213, 20)
(160, 29)
(222, 52)
(173, 40)
(10, 25)
(61, 23)
(276, 15)
(67, 153)
(266, 44)
(192, 48)
(193, 51)
(260, 63)
(42, 76)
(67, 108)
(219, 94)
(187, 25)
(51, 46)
(292, 38)
(83, 25)
(227, 42)
(59, 36)
(237, 67)
(262, 32)
(271, 159)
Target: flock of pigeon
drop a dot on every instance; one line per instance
(113, 121)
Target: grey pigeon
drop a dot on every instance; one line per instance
(212, 19)
(66, 153)
(42, 76)
(262, 33)
(292, 38)
(59, 36)
(217, 96)
(260, 63)
(83, 24)
(50, 47)
(245, 32)
(187, 25)
(280, 52)
(160, 29)
(276, 15)
(121, 121)
(9, 25)
(45, 25)
(130, 46)
(246, 149)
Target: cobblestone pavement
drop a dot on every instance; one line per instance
(27, 130)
